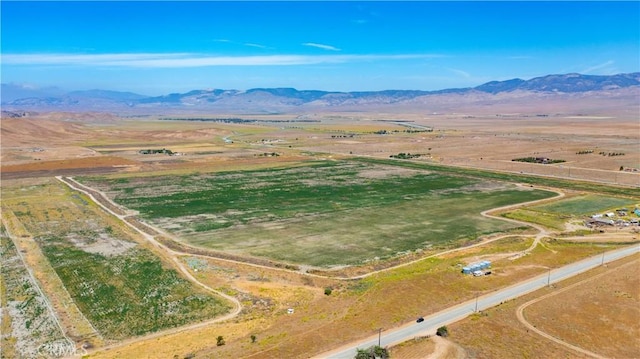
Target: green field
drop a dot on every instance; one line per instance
(129, 294)
(586, 205)
(556, 214)
(327, 213)
(549, 220)
(122, 288)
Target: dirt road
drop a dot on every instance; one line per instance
(122, 214)
(521, 317)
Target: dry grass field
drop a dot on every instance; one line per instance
(37, 148)
(600, 315)
(609, 303)
(471, 140)
(353, 310)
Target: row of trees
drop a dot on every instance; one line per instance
(542, 160)
(406, 156)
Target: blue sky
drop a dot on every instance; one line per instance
(155, 48)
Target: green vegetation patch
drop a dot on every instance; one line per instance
(585, 205)
(549, 220)
(130, 294)
(327, 213)
(122, 288)
(368, 234)
(251, 196)
(556, 214)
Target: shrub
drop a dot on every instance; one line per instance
(328, 291)
(442, 331)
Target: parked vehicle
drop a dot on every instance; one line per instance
(420, 320)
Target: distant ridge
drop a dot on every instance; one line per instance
(15, 97)
(568, 83)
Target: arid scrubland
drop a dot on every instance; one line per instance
(324, 231)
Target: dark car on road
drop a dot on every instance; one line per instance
(420, 320)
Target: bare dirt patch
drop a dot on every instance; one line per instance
(103, 245)
(417, 348)
(385, 172)
(428, 348)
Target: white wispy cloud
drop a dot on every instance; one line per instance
(601, 66)
(177, 60)
(249, 44)
(459, 72)
(255, 45)
(321, 46)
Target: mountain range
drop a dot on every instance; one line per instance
(271, 100)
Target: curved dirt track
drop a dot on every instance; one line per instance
(523, 320)
(168, 254)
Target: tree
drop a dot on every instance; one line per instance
(220, 340)
(380, 352)
(327, 291)
(442, 331)
(372, 352)
(362, 354)
(253, 338)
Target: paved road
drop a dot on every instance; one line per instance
(453, 314)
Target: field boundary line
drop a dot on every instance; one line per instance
(522, 319)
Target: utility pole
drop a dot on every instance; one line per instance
(477, 294)
(602, 259)
(379, 335)
(549, 279)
